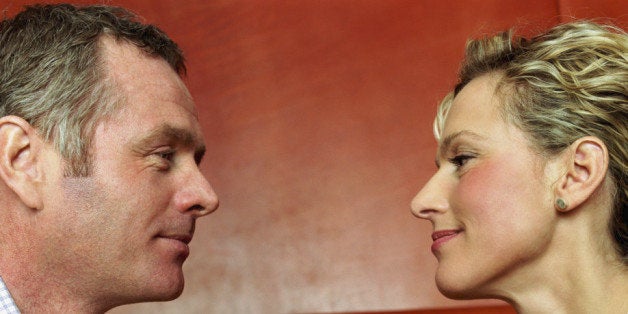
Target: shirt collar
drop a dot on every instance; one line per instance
(7, 305)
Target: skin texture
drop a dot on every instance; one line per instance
(119, 235)
(494, 195)
(490, 187)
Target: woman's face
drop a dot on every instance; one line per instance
(490, 202)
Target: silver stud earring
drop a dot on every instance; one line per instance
(561, 204)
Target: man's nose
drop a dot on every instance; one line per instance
(196, 196)
(431, 199)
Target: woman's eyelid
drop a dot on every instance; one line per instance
(461, 154)
(461, 160)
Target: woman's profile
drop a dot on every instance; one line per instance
(528, 204)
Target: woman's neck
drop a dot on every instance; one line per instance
(576, 291)
(577, 273)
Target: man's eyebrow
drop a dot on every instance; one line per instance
(175, 135)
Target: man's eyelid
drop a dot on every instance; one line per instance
(163, 149)
(167, 154)
(199, 154)
(167, 135)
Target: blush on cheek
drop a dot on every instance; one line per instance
(480, 180)
(500, 195)
(489, 189)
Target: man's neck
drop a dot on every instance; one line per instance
(35, 292)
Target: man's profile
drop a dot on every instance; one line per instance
(99, 151)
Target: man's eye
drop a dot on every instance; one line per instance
(166, 155)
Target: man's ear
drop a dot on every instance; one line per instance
(20, 146)
(586, 165)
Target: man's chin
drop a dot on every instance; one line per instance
(166, 287)
(173, 295)
(175, 290)
(155, 291)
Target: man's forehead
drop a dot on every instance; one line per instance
(124, 62)
(136, 72)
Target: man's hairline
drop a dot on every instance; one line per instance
(109, 84)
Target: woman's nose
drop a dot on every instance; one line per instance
(431, 199)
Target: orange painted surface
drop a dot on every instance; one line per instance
(452, 310)
(317, 117)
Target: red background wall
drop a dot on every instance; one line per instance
(317, 116)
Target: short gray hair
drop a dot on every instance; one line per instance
(51, 71)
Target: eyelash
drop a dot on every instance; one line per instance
(166, 155)
(460, 160)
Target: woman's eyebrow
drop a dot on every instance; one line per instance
(446, 142)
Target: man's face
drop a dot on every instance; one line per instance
(122, 232)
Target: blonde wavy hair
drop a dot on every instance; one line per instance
(567, 83)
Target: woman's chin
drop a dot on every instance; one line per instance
(457, 288)
(453, 293)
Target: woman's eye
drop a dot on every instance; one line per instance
(460, 160)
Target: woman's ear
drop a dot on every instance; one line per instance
(586, 165)
(20, 146)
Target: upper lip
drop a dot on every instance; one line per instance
(443, 233)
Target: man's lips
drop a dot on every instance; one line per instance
(178, 242)
(185, 238)
(442, 236)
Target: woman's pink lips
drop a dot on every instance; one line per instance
(442, 236)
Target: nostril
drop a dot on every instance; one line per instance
(197, 208)
(419, 210)
(426, 206)
(209, 205)
(196, 200)
(418, 206)
(425, 213)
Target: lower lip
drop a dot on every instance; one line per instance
(181, 248)
(440, 241)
